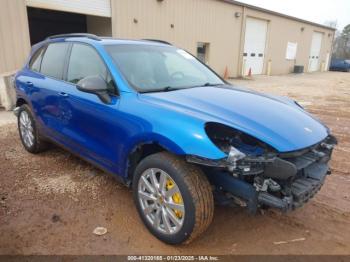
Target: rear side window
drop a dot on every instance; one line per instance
(53, 60)
(35, 61)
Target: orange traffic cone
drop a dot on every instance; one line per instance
(226, 73)
(250, 72)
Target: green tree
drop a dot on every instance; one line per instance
(341, 47)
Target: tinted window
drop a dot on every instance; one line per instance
(84, 61)
(53, 60)
(151, 68)
(36, 60)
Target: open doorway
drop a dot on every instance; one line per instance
(203, 52)
(44, 22)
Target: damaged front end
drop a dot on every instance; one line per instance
(255, 175)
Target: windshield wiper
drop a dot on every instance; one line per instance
(212, 84)
(163, 89)
(208, 84)
(172, 88)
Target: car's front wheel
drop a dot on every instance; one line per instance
(28, 132)
(174, 199)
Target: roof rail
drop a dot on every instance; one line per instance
(91, 36)
(158, 41)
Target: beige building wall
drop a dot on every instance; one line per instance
(215, 22)
(14, 35)
(193, 21)
(99, 25)
(183, 23)
(283, 30)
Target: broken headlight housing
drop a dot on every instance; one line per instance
(245, 154)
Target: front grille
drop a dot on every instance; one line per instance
(306, 171)
(320, 152)
(309, 158)
(305, 187)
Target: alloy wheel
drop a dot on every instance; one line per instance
(26, 129)
(161, 201)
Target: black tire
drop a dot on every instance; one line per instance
(39, 143)
(196, 194)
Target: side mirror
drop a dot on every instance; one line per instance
(95, 85)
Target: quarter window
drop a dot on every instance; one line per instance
(36, 60)
(53, 60)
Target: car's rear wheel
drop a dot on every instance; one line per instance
(174, 199)
(29, 134)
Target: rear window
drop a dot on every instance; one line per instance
(53, 61)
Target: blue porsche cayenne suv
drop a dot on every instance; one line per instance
(166, 125)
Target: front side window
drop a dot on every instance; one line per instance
(35, 61)
(84, 61)
(151, 68)
(53, 61)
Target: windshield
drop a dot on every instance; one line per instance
(150, 68)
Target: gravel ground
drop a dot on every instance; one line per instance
(6, 117)
(51, 203)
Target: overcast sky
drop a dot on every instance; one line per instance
(317, 11)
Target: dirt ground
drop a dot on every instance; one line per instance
(50, 203)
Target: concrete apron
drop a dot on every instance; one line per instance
(7, 93)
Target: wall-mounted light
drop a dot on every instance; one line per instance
(135, 21)
(237, 14)
(329, 34)
(172, 25)
(302, 29)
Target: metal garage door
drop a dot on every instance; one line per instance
(88, 7)
(254, 46)
(315, 51)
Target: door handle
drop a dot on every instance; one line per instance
(29, 84)
(63, 94)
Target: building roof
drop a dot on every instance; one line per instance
(277, 14)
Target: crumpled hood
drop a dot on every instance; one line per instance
(275, 121)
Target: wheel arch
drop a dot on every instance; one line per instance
(144, 148)
(21, 101)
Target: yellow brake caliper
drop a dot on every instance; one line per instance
(176, 197)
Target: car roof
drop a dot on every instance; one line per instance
(93, 39)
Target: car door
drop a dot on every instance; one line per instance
(29, 79)
(89, 125)
(46, 80)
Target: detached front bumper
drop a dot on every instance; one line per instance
(301, 189)
(286, 183)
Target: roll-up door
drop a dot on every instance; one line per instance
(254, 46)
(88, 7)
(315, 50)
